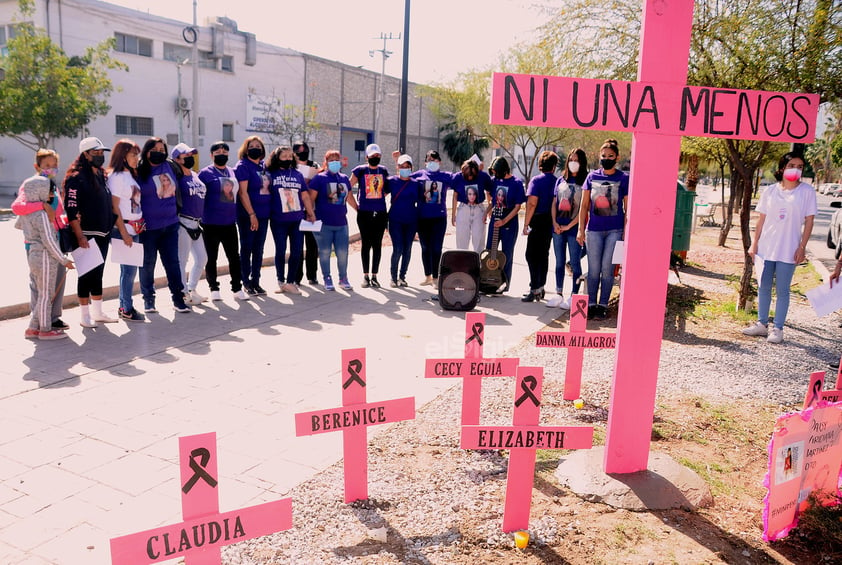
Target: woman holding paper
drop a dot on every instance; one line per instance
(289, 202)
(602, 222)
(125, 193)
(787, 210)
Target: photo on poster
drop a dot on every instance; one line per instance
(788, 462)
(164, 185)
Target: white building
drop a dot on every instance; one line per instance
(236, 74)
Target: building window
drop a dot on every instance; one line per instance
(227, 64)
(227, 132)
(180, 53)
(133, 44)
(134, 125)
(201, 126)
(7, 32)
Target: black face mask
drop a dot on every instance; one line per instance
(255, 153)
(189, 162)
(157, 157)
(303, 155)
(98, 160)
(607, 164)
(220, 160)
(374, 161)
(286, 163)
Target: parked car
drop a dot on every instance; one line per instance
(834, 233)
(835, 190)
(830, 188)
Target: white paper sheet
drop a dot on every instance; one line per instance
(125, 255)
(310, 226)
(88, 259)
(619, 254)
(825, 300)
(306, 171)
(758, 267)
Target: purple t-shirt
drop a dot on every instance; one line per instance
(373, 187)
(543, 187)
(607, 193)
(407, 196)
(330, 191)
(157, 192)
(568, 200)
(288, 186)
(193, 192)
(507, 193)
(221, 196)
(472, 192)
(258, 187)
(435, 185)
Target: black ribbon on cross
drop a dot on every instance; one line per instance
(476, 333)
(527, 385)
(198, 468)
(354, 367)
(580, 309)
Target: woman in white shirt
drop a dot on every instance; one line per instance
(787, 210)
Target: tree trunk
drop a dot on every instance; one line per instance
(692, 172)
(746, 179)
(728, 210)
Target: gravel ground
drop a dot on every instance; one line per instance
(435, 503)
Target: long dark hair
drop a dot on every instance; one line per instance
(119, 152)
(144, 168)
(79, 165)
(275, 158)
(786, 158)
(582, 157)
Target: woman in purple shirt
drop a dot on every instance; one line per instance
(254, 224)
(372, 180)
(407, 196)
(538, 225)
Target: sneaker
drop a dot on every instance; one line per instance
(428, 281)
(776, 335)
(181, 307)
(258, 290)
(216, 296)
(555, 301)
(59, 324)
(250, 290)
(312, 282)
(194, 298)
(131, 315)
(436, 283)
(345, 285)
(393, 284)
(31, 333)
(592, 308)
(104, 318)
(51, 334)
(565, 304)
(366, 282)
(756, 329)
(149, 307)
(290, 288)
(402, 283)
(87, 322)
(329, 283)
(374, 282)
(601, 312)
(280, 289)
(241, 295)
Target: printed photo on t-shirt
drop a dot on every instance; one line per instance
(500, 196)
(266, 183)
(471, 192)
(432, 192)
(135, 199)
(289, 200)
(165, 185)
(373, 186)
(604, 195)
(568, 200)
(226, 192)
(336, 193)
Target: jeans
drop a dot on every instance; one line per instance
(163, 241)
(507, 237)
(128, 273)
(251, 249)
(600, 266)
(333, 238)
(309, 259)
(563, 243)
(431, 235)
(372, 226)
(196, 247)
(782, 273)
(538, 250)
(402, 234)
(470, 226)
(281, 231)
(227, 236)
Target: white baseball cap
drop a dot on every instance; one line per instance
(404, 159)
(182, 149)
(90, 143)
(372, 149)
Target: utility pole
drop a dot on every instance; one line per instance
(194, 111)
(382, 96)
(404, 79)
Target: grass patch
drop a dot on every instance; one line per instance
(711, 473)
(805, 278)
(716, 309)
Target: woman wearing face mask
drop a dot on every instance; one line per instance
(330, 190)
(567, 199)
(538, 224)
(432, 215)
(407, 196)
(219, 220)
(91, 216)
(467, 214)
(603, 215)
(372, 180)
(509, 195)
(310, 258)
(289, 203)
(161, 216)
(787, 210)
(253, 223)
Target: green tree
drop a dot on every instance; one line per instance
(44, 94)
(288, 123)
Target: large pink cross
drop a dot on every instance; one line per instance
(659, 108)
(205, 530)
(353, 420)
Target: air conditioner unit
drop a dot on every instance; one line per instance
(182, 104)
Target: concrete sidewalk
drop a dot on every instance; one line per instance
(89, 425)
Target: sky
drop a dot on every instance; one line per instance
(446, 36)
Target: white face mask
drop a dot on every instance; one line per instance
(433, 166)
(792, 174)
(573, 166)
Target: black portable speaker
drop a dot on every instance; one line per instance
(459, 280)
